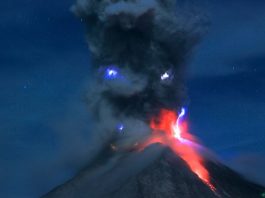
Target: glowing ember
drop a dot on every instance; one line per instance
(170, 130)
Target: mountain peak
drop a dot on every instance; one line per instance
(155, 172)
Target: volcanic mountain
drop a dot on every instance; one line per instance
(155, 172)
(139, 50)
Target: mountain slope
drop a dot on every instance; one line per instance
(154, 173)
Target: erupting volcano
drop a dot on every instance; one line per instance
(140, 144)
(176, 136)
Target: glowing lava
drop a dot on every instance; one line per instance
(170, 130)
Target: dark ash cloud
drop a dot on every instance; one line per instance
(142, 40)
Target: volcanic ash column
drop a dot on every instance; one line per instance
(139, 50)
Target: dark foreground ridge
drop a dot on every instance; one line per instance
(154, 173)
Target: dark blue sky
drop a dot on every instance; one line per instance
(45, 68)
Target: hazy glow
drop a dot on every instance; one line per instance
(120, 127)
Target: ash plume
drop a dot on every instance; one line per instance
(139, 51)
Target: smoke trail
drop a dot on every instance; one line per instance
(139, 50)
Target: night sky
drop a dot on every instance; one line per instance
(45, 69)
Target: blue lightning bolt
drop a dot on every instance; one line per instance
(176, 128)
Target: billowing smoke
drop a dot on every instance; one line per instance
(139, 51)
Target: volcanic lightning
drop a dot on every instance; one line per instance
(165, 76)
(170, 130)
(176, 128)
(111, 73)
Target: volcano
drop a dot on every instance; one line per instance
(156, 172)
(137, 99)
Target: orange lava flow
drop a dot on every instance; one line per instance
(181, 142)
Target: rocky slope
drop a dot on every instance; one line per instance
(154, 173)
